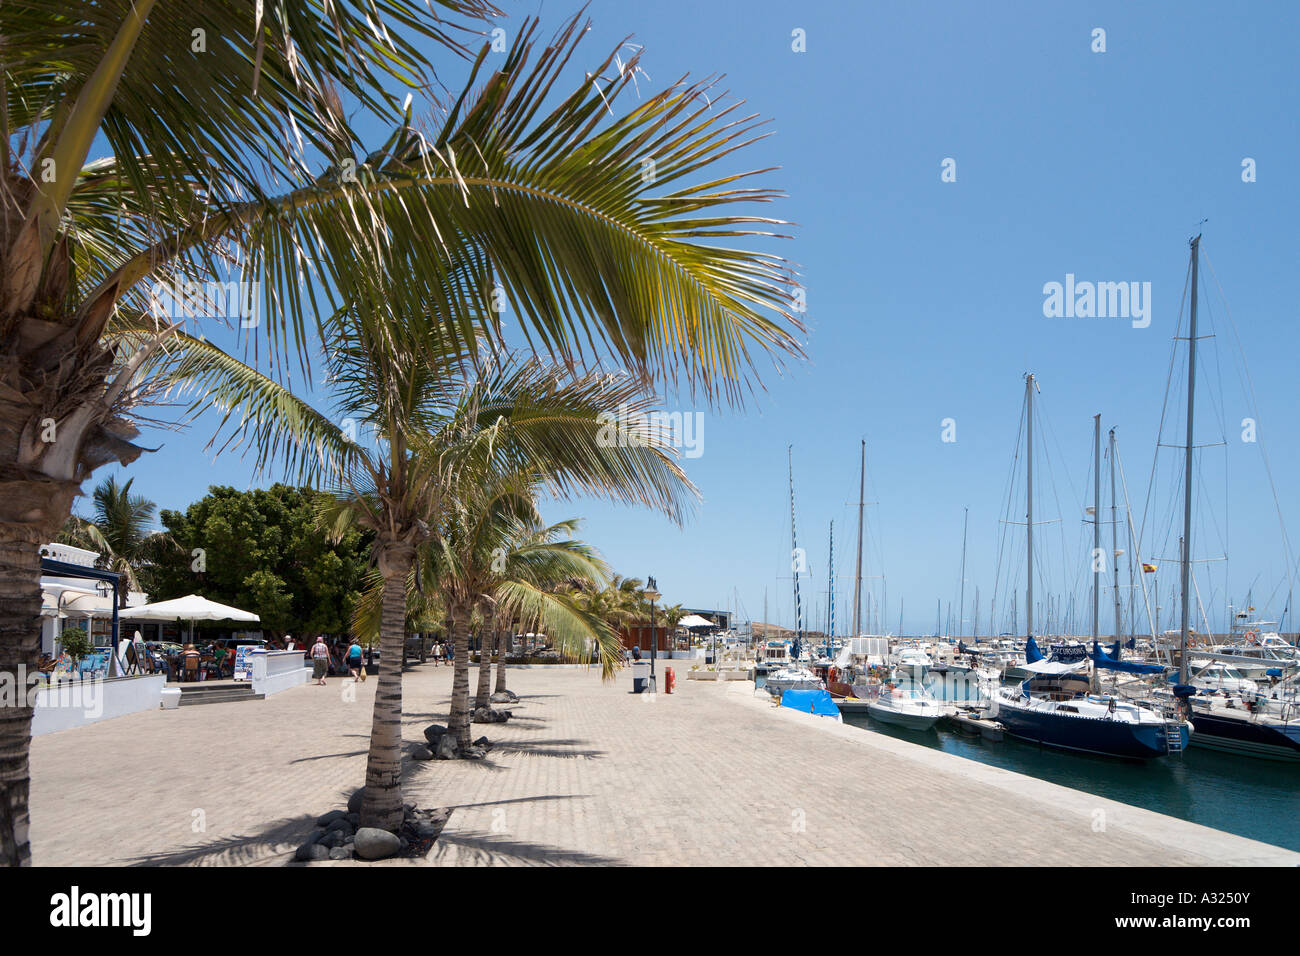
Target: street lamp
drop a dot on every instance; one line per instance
(652, 592)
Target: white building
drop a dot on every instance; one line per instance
(75, 601)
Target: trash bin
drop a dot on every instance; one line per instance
(640, 676)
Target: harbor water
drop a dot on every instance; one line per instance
(1259, 799)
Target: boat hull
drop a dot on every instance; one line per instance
(852, 705)
(908, 721)
(1108, 738)
(1244, 736)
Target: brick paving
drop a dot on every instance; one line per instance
(586, 773)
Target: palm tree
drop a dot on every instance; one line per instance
(499, 558)
(119, 529)
(435, 433)
(565, 422)
(202, 104)
(672, 613)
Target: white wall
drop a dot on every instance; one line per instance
(72, 704)
(274, 671)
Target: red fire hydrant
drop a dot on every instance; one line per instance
(670, 680)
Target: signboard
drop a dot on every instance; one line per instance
(244, 661)
(1069, 653)
(91, 667)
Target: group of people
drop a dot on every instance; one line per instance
(323, 658)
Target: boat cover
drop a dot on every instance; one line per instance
(810, 702)
(1032, 653)
(1126, 667)
(1053, 667)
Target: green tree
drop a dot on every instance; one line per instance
(266, 551)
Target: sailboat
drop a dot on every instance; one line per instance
(1056, 706)
(1253, 725)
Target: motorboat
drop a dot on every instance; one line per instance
(1255, 648)
(1213, 675)
(904, 702)
(792, 677)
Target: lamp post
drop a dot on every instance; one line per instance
(652, 592)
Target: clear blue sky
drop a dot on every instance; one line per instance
(925, 298)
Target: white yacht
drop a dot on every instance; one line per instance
(1221, 676)
(904, 702)
(792, 677)
(1256, 648)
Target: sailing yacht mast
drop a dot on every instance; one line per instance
(1187, 468)
(794, 553)
(1114, 537)
(1029, 504)
(857, 581)
(830, 590)
(1096, 525)
(961, 601)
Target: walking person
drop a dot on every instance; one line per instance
(320, 660)
(355, 665)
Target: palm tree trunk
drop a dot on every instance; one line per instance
(483, 698)
(382, 804)
(20, 642)
(503, 644)
(458, 720)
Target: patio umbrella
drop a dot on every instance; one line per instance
(192, 607)
(693, 621)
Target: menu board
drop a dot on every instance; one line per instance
(244, 661)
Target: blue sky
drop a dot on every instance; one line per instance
(925, 298)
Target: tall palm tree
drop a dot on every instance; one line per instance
(470, 552)
(497, 557)
(228, 129)
(434, 432)
(119, 529)
(535, 589)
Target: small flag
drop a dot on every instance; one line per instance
(1148, 568)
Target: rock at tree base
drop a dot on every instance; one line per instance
(433, 732)
(331, 839)
(417, 834)
(504, 697)
(484, 743)
(311, 851)
(421, 753)
(448, 749)
(486, 715)
(375, 844)
(474, 753)
(330, 817)
(354, 801)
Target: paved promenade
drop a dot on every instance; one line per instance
(585, 774)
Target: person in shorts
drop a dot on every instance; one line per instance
(355, 665)
(320, 660)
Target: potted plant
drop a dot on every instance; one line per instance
(76, 644)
